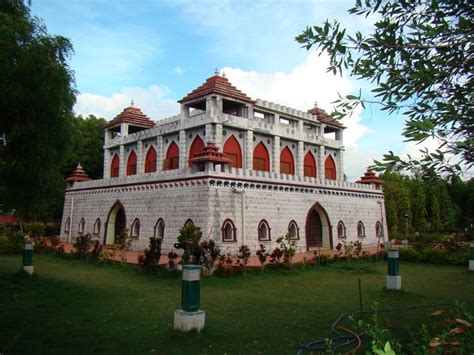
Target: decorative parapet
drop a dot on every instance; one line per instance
(284, 109)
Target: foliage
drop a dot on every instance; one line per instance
(35, 230)
(224, 266)
(288, 248)
(12, 243)
(124, 242)
(150, 261)
(275, 256)
(82, 245)
(210, 253)
(430, 205)
(435, 255)
(419, 60)
(37, 93)
(86, 145)
(188, 239)
(244, 255)
(103, 255)
(262, 256)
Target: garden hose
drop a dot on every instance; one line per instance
(340, 340)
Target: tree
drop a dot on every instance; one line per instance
(419, 59)
(86, 146)
(37, 92)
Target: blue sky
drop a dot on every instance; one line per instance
(155, 52)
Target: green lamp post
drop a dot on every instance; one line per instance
(394, 280)
(28, 256)
(471, 256)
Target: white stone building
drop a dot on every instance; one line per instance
(245, 171)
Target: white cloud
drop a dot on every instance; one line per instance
(154, 101)
(178, 71)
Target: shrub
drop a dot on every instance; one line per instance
(124, 242)
(150, 261)
(210, 253)
(276, 255)
(60, 250)
(262, 256)
(12, 244)
(51, 229)
(224, 266)
(188, 239)
(287, 247)
(82, 244)
(35, 230)
(244, 255)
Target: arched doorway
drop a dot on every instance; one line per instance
(318, 228)
(116, 222)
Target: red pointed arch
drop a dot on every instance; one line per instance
(287, 163)
(115, 166)
(232, 151)
(150, 160)
(197, 146)
(172, 157)
(309, 165)
(132, 164)
(261, 158)
(330, 168)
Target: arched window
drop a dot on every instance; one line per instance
(172, 157)
(293, 230)
(341, 230)
(188, 221)
(360, 229)
(228, 231)
(233, 152)
(150, 160)
(135, 228)
(160, 229)
(196, 147)
(309, 165)
(97, 226)
(67, 225)
(378, 229)
(330, 168)
(132, 164)
(264, 230)
(287, 163)
(261, 159)
(82, 226)
(115, 166)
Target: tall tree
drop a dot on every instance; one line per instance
(419, 60)
(37, 92)
(86, 145)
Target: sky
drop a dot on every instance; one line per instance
(154, 52)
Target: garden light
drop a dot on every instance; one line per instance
(190, 317)
(471, 256)
(28, 257)
(394, 280)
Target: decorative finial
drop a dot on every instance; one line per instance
(223, 74)
(217, 71)
(132, 103)
(315, 104)
(79, 166)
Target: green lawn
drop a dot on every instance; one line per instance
(76, 307)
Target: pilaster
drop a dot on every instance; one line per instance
(140, 160)
(248, 150)
(183, 152)
(276, 155)
(321, 169)
(300, 159)
(209, 133)
(340, 171)
(123, 163)
(159, 153)
(106, 163)
(218, 136)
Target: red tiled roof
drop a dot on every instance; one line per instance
(8, 219)
(217, 85)
(323, 117)
(209, 153)
(132, 115)
(78, 175)
(370, 178)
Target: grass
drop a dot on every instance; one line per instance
(76, 307)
